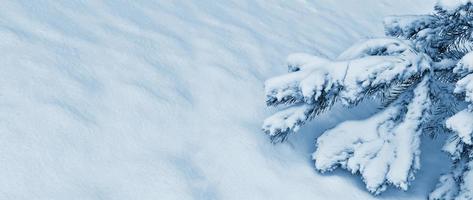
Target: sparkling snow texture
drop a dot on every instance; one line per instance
(162, 99)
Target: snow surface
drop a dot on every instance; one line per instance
(452, 4)
(164, 99)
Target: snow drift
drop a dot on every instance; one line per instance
(162, 99)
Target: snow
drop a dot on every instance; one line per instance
(466, 191)
(460, 123)
(303, 61)
(355, 151)
(447, 188)
(452, 4)
(379, 148)
(407, 139)
(465, 65)
(372, 71)
(467, 184)
(454, 146)
(164, 99)
(372, 62)
(289, 119)
(406, 25)
(315, 83)
(465, 84)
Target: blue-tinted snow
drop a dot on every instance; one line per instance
(164, 99)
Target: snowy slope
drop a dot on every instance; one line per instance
(164, 99)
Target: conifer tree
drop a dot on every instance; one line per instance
(422, 75)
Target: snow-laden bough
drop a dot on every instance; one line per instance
(422, 76)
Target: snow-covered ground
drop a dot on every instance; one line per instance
(164, 99)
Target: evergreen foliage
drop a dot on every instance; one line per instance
(422, 75)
